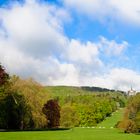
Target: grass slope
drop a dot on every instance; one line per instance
(110, 122)
(76, 133)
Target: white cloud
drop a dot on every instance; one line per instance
(119, 78)
(112, 48)
(69, 76)
(32, 44)
(127, 11)
(32, 30)
(31, 39)
(80, 52)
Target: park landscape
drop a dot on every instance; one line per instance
(69, 70)
(76, 133)
(73, 112)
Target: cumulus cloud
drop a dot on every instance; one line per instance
(78, 52)
(112, 48)
(33, 44)
(119, 78)
(32, 30)
(121, 10)
(31, 39)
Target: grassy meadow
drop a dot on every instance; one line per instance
(72, 134)
(98, 133)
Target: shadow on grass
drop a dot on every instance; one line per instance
(44, 129)
(129, 133)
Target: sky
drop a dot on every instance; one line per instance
(72, 42)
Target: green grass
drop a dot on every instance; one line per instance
(111, 121)
(73, 134)
(76, 133)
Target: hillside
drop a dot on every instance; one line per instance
(79, 106)
(110, 122)
(70, 90)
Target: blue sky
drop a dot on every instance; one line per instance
(68, 42)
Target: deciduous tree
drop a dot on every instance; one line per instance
(52, 111)
(14, 112)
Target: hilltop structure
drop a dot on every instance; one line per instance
(131, 92)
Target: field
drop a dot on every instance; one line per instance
(103, 131)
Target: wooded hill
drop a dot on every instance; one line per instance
(29, 104)
(79, 107)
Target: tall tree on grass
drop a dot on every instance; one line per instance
(52, 111)
(15, 113)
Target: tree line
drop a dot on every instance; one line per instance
(25, 104)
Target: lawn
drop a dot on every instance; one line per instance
(99, 133)
(110, 122)
(73, 134)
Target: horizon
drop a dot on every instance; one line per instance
(72, 43)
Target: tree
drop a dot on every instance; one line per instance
(4, 80)
(69, 116)
(131, 120)
(15, 113)
(3, 76)
(35, 96)
(52, 111)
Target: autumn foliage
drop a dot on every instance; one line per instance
(131, 120)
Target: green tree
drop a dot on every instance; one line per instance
(69, 116)
(15, 113)
(87, 115)
(35, 96)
